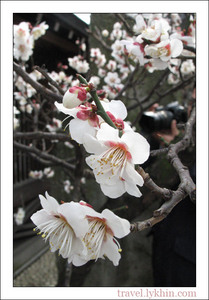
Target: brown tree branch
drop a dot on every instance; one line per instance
(40, 135)
(44, 155)
(37, 86)
(125, 23)
(128, 82)
(49, 79)
(99, 39)
(186, 186)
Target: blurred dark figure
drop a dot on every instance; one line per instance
(174, 239)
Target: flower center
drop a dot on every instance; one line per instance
(113, 161)
(60, 233)
(98, 233)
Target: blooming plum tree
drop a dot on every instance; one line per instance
(138, 45)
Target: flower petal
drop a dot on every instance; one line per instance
(110, 249)
(119, 226)
(118, 109)
(131, 175)
(74, 214)
(68, 111)
(132, 189)
(92, 145)
(78, 128)
(176, 47)
(40, 217)
(138, 146)
(49, 203)
(113, 191)
(107, 133)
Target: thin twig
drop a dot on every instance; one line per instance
(44, 155)
(37, 86)
(49, 79)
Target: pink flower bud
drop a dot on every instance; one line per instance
(74, 97)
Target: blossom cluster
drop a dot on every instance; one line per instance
(47, 172)
(24, 39)
(114, 150)
(78, 232)
(113, 147)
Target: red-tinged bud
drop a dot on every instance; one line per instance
(74, 97)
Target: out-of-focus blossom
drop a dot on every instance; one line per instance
(105, 33)
(48, 172)
(173, 79)
(187, 67)
(83, 47)
(39, 30)
(69, 145)
(83, 180)
(111, 65)
(79, 64)
(36, 174)
(16, 123)
(165, 49)
(15, 110)
(95, 80)
(56, 125)
(19, 216)
(68, 187)
(112, 79)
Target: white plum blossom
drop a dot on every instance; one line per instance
(140, 24)
(100, 60)
(56, 125)
(114, 158)
(48, 172)
(95, 80)
(135, 49)
(15, 111)
(165, 49)
(19, 216)
(187, 67)
(186, 39)
(64, 225)
(112, 79)
(86, 120)
(101, 72)
(94, 52)
(111, 65)
(173, 78)
(36, 174)
(24, 51)
(105, 33)
(117, 47)
(68, 187)
(39, 30)
(79, 64)
(100, 238)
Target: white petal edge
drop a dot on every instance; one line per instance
(49, 203)
(119, 226)
(138, 146)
